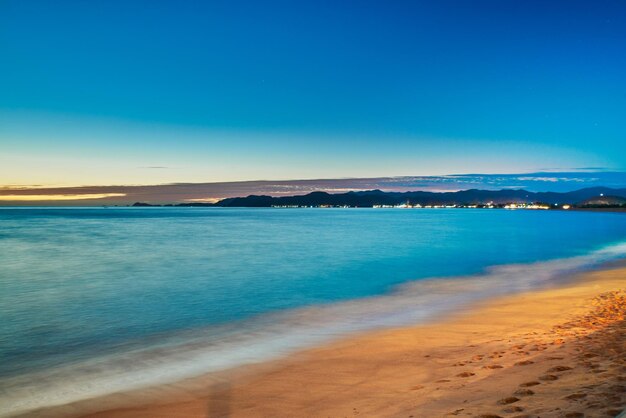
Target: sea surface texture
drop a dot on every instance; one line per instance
(128, 297)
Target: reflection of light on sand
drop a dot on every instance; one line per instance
(200, 351)
(38, 197)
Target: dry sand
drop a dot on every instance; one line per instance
(549, 353)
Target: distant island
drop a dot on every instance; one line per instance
(595, 197)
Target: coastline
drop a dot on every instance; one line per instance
(464, 364)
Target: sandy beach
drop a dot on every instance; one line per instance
(549, 353)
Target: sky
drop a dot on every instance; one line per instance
(214, 191)
(160, 92)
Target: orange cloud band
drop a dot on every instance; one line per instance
(38, 197)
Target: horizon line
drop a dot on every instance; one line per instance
(561, 181)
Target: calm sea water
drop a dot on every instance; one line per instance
(78, 284)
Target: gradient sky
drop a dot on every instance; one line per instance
(130, 92)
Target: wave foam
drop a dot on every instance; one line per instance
(269, 336)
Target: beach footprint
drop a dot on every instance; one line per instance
(524, 392)
(508, 400)
(556, 369)
(576, 396)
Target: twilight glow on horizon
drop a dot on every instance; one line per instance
(143, 93)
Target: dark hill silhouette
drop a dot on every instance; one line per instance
(370, 198)
(603, 201)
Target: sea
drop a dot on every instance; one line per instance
(100, 300)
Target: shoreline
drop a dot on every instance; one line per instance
(474, 354)
(179, 360)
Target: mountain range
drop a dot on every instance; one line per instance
(371, 198)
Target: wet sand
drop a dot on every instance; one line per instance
(550, 353)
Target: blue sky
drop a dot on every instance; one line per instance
(129, 92)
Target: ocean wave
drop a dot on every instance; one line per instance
(269, 336)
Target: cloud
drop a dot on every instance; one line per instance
(565, 169)
(554, 179)
(208, 192)
(57, 197)
(21, 186)
(591, 168)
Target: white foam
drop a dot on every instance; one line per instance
(274, 335)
